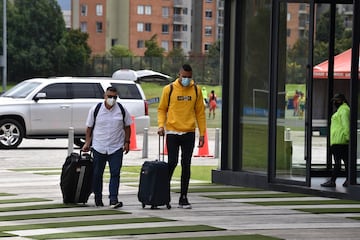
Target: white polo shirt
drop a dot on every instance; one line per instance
(108, 133)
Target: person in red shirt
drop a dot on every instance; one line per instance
(212, 103)
(296, 99)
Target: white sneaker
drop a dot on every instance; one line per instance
(184, 203)
(116, 205)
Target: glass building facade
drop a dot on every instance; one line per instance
(283, 62)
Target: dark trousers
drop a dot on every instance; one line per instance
(340, 152)
(186, 143)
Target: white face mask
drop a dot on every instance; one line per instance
(185, 82)
(110, 101)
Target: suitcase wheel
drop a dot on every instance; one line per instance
(143, 205)
(168, 206)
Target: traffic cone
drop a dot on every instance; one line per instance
(165, 149)
(204, 151)
(133, 145)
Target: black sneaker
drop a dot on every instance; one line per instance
(116, 204)
(329, 183)
(184, 203)
(99, 203)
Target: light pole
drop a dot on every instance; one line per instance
(4, 56)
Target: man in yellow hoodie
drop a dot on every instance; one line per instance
(181, 107)
(339, 138)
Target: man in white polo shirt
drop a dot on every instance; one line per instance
(108, 131)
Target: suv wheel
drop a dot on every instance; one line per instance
(11, 133)
(79, 142)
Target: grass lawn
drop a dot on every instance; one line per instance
(153, 90)
(202, 173)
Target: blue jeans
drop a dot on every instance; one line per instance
(115, 164)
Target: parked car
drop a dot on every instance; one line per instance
(144, 75)
(42, 108)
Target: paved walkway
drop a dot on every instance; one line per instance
(19, 175)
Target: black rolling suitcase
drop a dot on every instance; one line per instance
(76, 178)
(154, 185)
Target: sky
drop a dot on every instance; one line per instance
(64, 4)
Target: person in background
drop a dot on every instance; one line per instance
(109, 138)
(205, 95)
(180, 109)
(339, 138)
(212, 103)
(296, 103)
(301, 105)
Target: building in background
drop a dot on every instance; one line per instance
(67, 18)
(90, 16)
(298, 25)
(192, 25)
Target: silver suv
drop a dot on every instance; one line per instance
(43, 108)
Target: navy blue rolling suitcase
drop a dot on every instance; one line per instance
(76, 178)
(154, 185)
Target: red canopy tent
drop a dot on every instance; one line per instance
(342, 73)
(342, 67)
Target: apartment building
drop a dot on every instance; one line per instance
(192, 25)
(297, 22)
(90, 16)
(298, 15)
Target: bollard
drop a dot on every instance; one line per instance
(288, 149)
(70, 140)
(145, 143)
(287, 134)
(217, 143)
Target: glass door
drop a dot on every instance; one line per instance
(293, 92)
(310, 39)
(331, 75)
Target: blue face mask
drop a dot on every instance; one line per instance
(185, 81)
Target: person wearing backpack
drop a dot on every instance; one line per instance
(108, 134)
(181, 107)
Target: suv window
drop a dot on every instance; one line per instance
(87, 90)
(127, 91)
(56, 91)
(21, 90)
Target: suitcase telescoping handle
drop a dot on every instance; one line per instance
(86, 155)
(163, 148)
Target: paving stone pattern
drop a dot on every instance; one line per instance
(20, 177)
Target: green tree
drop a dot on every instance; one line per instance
(296, 62)
(153, 54)
(212, 66)
(35, 29)
(152, 48)
(323, 27)
(343, 37)
(214, 49)
(73, 53)
(120, 51)
(174, 60)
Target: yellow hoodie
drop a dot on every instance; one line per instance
(184, 110)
